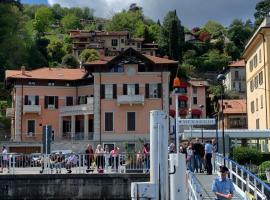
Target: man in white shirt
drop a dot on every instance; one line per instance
(4, 159)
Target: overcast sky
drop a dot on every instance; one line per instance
(191, 12)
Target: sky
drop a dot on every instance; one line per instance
(192, 13)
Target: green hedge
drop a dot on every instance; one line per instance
(245, 155)
(265, 165)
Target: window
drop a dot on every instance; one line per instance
(153, 90)
(194, 89)
(108, 121)
(51, 102)
(31, 127)
(261, 78)
(131, 124)
(251, 86)
(252, 106)
(138, 45)
(122, 40)
(108, 91)
(256, 81)
(69, 101)
(130, 89)
(82, 100)
(31, 100)
(194, 100)
(236, 75)
(114, 42)
(261, 101)
(183, 104)
(251, 65)
(233, 85)
(51, 83)
(257, 104)
(257, 123)
(255, 61)
(31, 83)
(237, 122)
(66, 126)
(260, 56)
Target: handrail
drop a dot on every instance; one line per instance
(194, 187)
(250, 185)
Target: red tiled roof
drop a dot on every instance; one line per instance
(234, 106)
(238, 63)
(159, 60)
(48, 73)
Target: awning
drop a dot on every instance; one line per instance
(196, 112)
(181, 112)
(182, 98)
(183, 85)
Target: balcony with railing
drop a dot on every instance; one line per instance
(80, 109)
(78, 136)
(31, 109)
(130, 99)
(10, 112)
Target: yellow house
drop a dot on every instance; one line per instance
(256, 56)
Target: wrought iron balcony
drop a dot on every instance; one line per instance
(31, 109)
(130, 99)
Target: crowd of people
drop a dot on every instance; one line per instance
(198, 155)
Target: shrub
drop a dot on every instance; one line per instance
(262, 168)
(245, 155)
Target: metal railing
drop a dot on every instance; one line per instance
(194, 190)
(246, 181)
(15, 163)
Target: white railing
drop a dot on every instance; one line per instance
(244, 180)
(31, 109)
(194, 190)
(10, 112)
(15, 163)
(77, 109)
(130, 99)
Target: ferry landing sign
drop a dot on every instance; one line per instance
(196, 122)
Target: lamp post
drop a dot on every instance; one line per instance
(176, 86)
(221, 78)
(201, 107)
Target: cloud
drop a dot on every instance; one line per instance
(191, 12)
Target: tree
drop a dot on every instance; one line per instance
(56, 51)
(43, 19)
(262, 10)
(70, 21)
(239, 33)
(214, 28)
(88, 13)
(127, 20)
(70, 61)
(89, 55)
(172, 36)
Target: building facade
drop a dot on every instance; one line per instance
(236, 77)
(108, 102)
(191, 100)
(109, 42)
(256, 55)
(235, 114)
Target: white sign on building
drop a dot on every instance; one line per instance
(189, 122)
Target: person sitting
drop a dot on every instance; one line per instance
(71, 162)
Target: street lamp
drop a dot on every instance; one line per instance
(176, 86)
(201, 107)
(221, 78)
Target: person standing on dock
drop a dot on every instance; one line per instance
(223, 186)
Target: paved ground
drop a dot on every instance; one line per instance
(206, 183)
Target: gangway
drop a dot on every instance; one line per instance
(245, 182)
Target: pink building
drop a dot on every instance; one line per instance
(108, 102)
(192, 100)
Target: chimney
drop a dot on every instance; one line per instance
(23, 70)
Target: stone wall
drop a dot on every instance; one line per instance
(69, 186)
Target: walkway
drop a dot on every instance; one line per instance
(206, 184)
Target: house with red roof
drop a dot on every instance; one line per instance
(107, 102)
